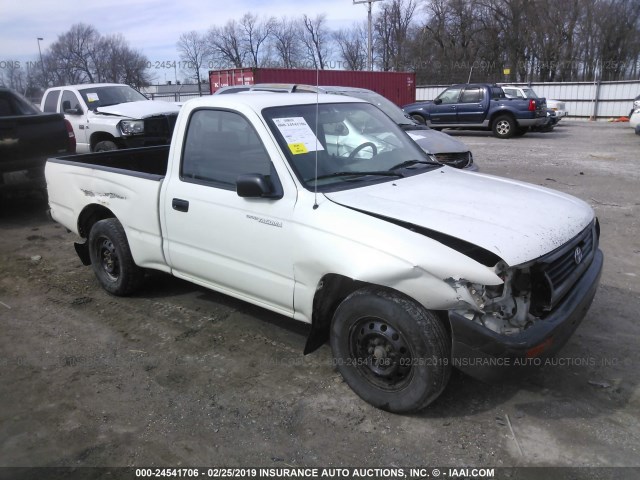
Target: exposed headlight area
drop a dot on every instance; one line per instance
(502, 308)
(131, 127)
(456, 160)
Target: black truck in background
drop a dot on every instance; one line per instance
(27, 138)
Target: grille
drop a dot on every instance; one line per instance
(457, 160)
(555, 273)
(160, 127)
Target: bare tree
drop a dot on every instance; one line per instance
(15, 77)
(225, 44)
(255, 33)
(82, 55)
(285, 43)
(193, 51)
(315, 40)
(353, 46)
(392, 27)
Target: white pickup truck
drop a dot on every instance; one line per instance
(406, 266)
(108, 116)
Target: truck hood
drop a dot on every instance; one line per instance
(435, 142)
(516, 221)
(141, 109)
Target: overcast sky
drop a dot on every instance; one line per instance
(152, 26)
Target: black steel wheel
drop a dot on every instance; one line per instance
(391, 351)
(111, 258)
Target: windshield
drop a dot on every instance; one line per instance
(96, 97)
(355, 144)
(387, 106)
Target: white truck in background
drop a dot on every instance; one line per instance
(110, 116)
(406, 266)
(516, 91)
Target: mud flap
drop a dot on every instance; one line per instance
(82, 249)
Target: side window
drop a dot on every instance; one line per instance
(472, 95)
(6, 109)
(449, 96)
(69, 100)
(51, 102)
(220, 146)
(497, 93)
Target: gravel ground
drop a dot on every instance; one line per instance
(180, 376)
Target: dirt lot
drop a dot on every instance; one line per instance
(181, 376)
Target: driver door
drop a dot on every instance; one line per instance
(239, 246)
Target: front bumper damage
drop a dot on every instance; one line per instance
(490, 356)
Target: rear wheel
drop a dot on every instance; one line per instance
(111, 258)
(504, 126)
(390, 350)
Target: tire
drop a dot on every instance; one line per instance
(504, 126)
(111, 258)
(392, 352)
(105, 146)
(419, 118)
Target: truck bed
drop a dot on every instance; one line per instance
(146, 162)
(125, 184)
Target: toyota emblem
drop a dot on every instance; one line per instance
(577, 255)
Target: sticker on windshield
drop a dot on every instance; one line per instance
(298, 135)
(92, 97)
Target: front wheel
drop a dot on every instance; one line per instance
(419, 118)
(111, 258)
(504, 126)
(105, 146)
(391, 351)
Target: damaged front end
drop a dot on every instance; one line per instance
(531, 314)
(505, 308)
(530, 291)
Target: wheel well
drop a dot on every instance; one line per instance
(90, 215)
(500, 114)
(101, 137)
(332, 289)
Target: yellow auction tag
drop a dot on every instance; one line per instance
(298, 148)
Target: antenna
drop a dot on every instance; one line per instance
(470, 72)
(315, 183)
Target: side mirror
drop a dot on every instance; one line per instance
(255, 185)
(73, 111)
(437, 101)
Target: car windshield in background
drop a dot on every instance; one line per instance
(355, 144)
(111, 95)
(387, 106)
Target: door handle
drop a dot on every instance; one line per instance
(180, 205)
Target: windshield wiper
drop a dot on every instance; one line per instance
(409, 163)
(382, 173)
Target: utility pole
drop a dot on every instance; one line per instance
(370, 39)
(44, 75)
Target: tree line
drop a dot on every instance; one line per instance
(443, 41)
